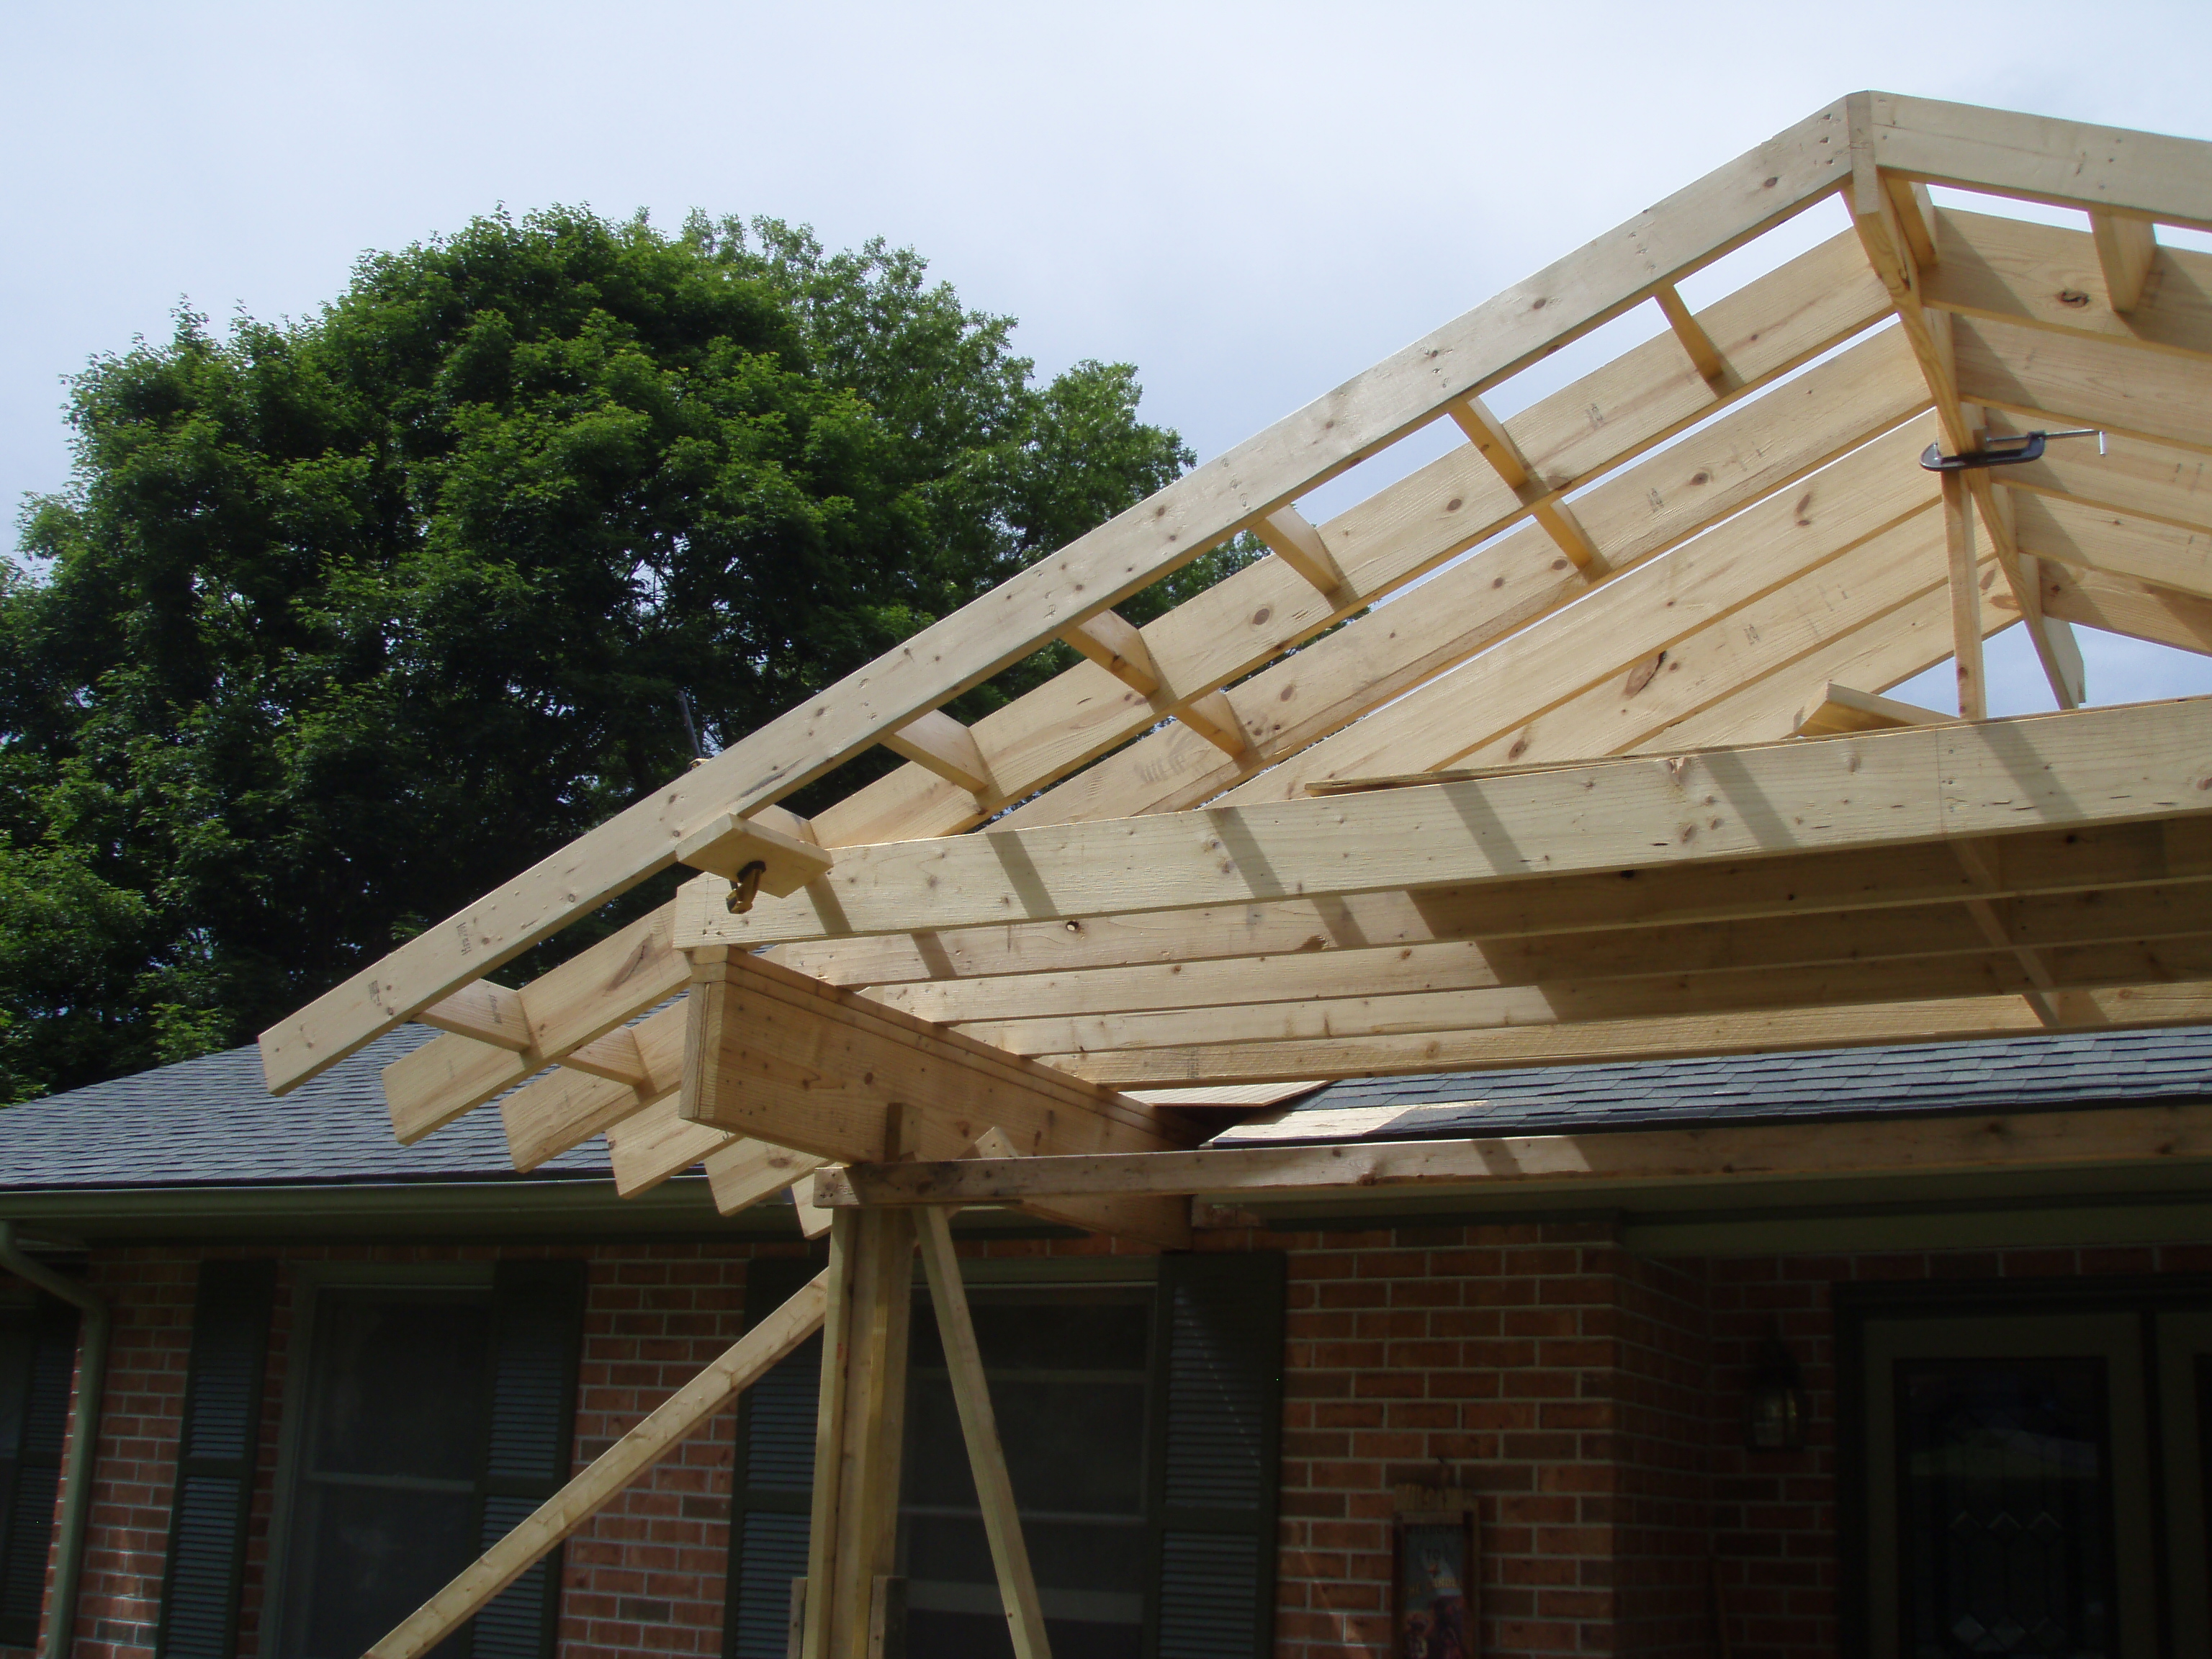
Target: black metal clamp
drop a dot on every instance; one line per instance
(2003, 452)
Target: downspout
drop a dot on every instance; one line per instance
(75, 1508)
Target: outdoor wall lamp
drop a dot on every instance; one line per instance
(1776, 1410)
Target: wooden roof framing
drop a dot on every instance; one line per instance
(1675, 556)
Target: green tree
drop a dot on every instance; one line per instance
(343, 622)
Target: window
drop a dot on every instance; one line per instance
(427, 1419)
(2032, 1478)
(38, 1357)
(1140, 1421)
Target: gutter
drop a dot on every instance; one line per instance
(75, 1508)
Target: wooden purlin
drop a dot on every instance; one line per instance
(2036, 869)
(1505, 334)
(1773, 324)
(2048, 771)
(2119, 604)
(1952, 1019)
(1724, 1153)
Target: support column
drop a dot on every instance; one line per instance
(859, 1430)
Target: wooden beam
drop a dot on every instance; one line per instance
(2099, 916)
(2128, 250)
(1965, 587)
(663, 1429)
(656, 1142)
(785, 1059)
(1978, 863)
(566, 1107)
(2039, 376)
(979, 1426)
(2035, 772)
(1843, 709)
(1795, 888)
(2009, 271)
(1099, 569)
(741, 1173)
(2035, 158)
(1488, 434)
(942, 744)
(1769, 327)
(1118, 646)
(1291, 539)
(1704, 354)
(1923, 1143)
(2120, 604)
(1638, 614)
(1214, 718)
(1751, 453)
(1148, 1223)
(2159, 553)
(1947, 1020)
(852, 1535)
(489, 1013)
(1074, 1042)
(2138, 479)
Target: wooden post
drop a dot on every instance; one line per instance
(854, 1529)
(994, 1491)
(1966, 597)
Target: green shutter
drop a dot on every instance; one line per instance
(538, 1326)
(216, 1456)
(1218, 1439)
(772, 1478)
(49, 1358)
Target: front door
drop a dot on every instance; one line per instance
(2034, 1483)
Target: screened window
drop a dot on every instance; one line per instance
(431, 1420)
(1140, 1423)
(38, 1354)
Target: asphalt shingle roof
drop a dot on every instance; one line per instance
(2014, 1073)
(210, 1122)
(213, 1121)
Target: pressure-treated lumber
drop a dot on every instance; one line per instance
(2161, 554)
(2121, 604)
(1955, 1019)
(664, 1428)
(859, 1430)
(782, 1057)
(2128, 250)
(2098, 765)
(1842, 709)
(1771, 326)
(979, 1425)
(742, 1172)
(2036, 158)
(1733, 892)
(1966, 589)
(2108, 915)
(1651, 994)
(1098, 570)
(1149, 1223)
(1915, 1144)
(2009, 271)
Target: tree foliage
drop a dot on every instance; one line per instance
(343, 622)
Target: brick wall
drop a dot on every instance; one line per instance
(1592, 1399)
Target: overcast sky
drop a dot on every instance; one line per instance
(1250, 203)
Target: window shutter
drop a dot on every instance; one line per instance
(538, 1326)
(29, 1498)
(1219, 1440)
(215, 1456)
(772, 1479)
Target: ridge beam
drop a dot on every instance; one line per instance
(947, 748)
(1117, 645)
(1294, 539)
(1488, 434)
(1704, 354)
(2128, 250)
